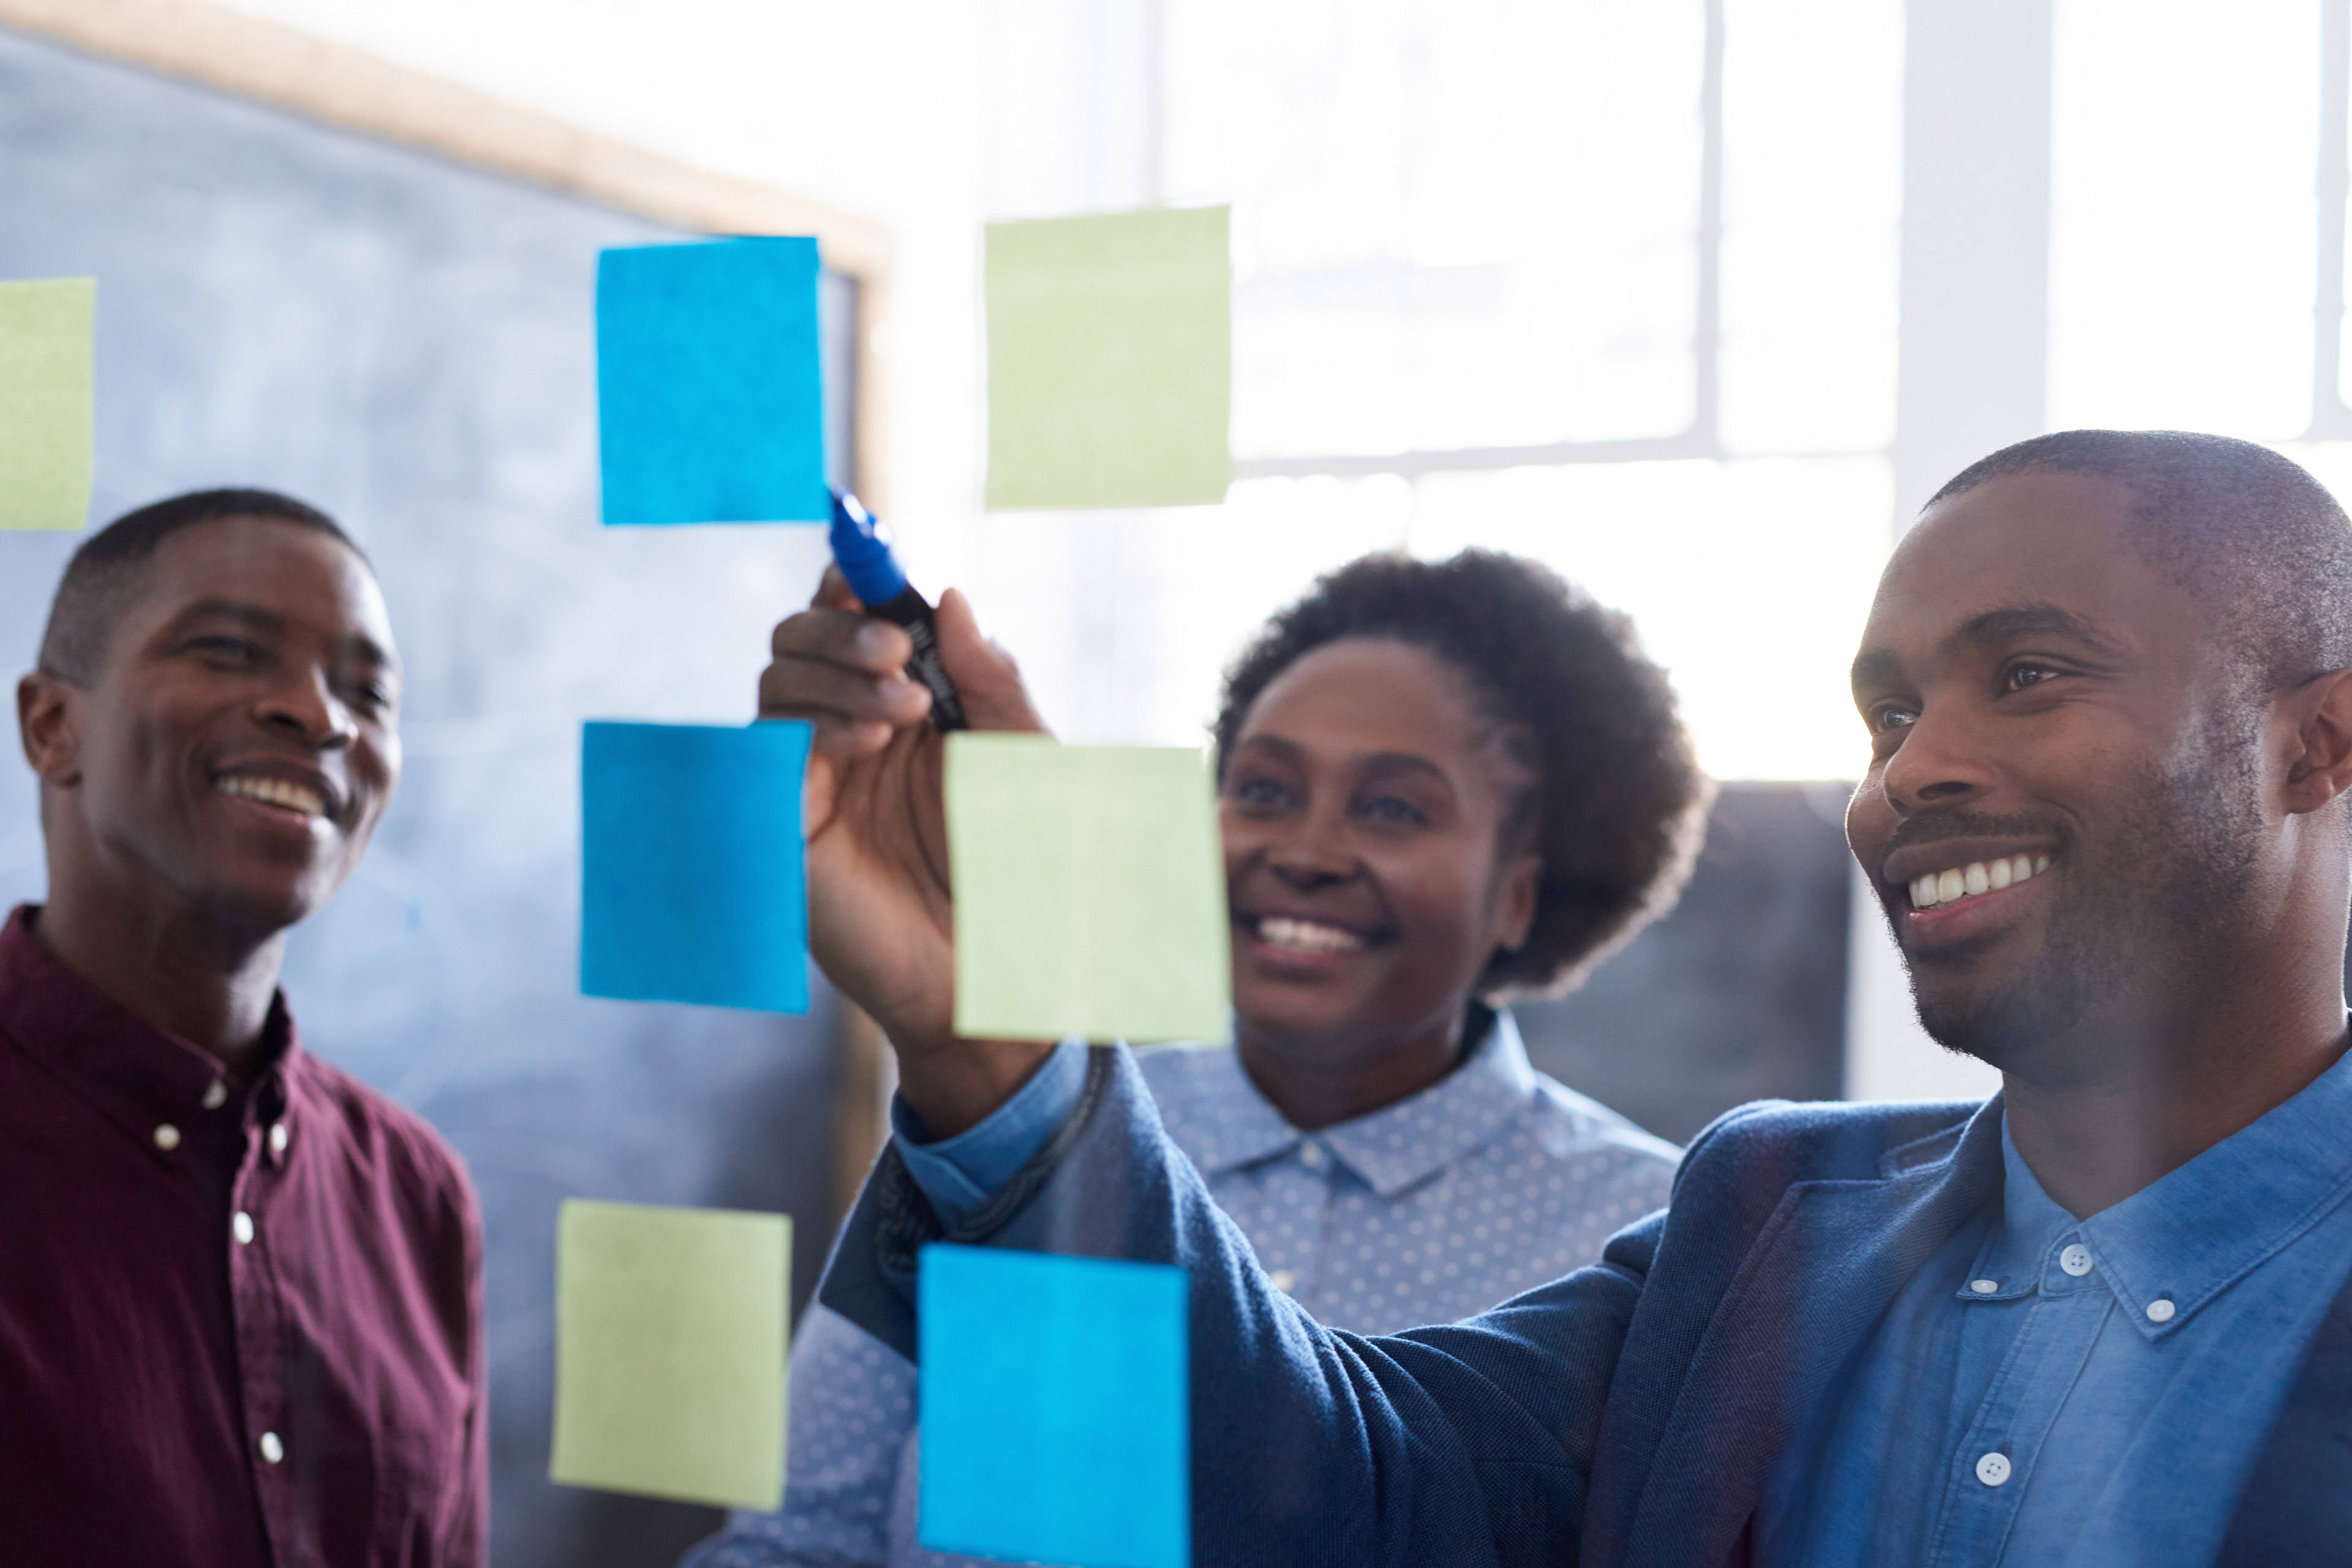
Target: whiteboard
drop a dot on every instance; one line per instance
(407, 343)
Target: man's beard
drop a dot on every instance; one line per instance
(2140, 919)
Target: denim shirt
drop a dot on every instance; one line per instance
(2054, 1390)
(1490, 1182)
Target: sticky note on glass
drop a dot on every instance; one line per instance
(692, 882)
(709, 396)
(1109, 360)
(1090, 892)
(48, 402)
(670, 1326)
(1055, 1409)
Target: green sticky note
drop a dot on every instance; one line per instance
(669, 1351)
(1109, 360)
(1090, 892)
(48, 402)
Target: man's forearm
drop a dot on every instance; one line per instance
(1466, 1445)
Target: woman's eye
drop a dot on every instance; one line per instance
(1389, 809)
(1262, 792)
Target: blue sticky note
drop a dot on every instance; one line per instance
(692, 886)
(709, 394)
(1055, 1409)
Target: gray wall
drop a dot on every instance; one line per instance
(409, 345)
(1739, 993)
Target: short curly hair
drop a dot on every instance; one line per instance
(1619, 805)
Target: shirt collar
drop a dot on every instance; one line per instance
(1393, 1148)
(2196, 1231)
(138, 1077)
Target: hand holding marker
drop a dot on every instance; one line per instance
(865, 558)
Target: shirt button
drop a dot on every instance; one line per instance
(2075, 1260)
(278, 1137)
(272, 1448)
(167, 1137)
(1311, 1156)
(2160, 1310)
(1993, 1469)
(217, 1096)
(1285, 1281)
(1984, 1287)
(240, 1226)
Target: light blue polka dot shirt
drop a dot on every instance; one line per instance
(1492, 1181)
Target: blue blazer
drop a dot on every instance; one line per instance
(1630, 1413)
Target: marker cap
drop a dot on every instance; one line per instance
(860, 550)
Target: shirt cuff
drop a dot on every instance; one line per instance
(959, 1174)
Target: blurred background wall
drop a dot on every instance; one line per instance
(1695, 299)
(409, 344)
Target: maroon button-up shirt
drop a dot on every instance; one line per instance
(239, 1327)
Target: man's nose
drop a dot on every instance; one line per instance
(306, 704)
(1944, 758)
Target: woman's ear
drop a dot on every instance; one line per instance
(1521, 879)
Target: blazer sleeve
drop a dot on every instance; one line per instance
(1470, 1444)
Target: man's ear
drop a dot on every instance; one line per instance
(1515, 910)
(45, 723)
(2322, 766)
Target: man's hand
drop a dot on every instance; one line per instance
(881, 922)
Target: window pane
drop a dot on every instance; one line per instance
(1812, 198)
(2182, 243)
(1748, 581)
(1124, 622)
(1461, 224)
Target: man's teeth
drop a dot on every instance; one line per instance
(1307, 936)
(274, 791)
(1976, 877)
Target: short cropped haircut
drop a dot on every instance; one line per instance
(2250, 535)
(109, 572)
(1618, 804)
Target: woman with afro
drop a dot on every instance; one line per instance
(1441, 785)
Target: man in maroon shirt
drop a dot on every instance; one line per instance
(240, 1294)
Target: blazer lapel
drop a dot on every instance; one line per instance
(1799, 1309)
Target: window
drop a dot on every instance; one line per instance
(1609, 285)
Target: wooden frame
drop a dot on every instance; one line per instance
(348, 88)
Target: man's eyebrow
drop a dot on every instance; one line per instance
(2019, 623)
(231, 610)
(262, 618)
(372, 651)
(1877, 668)
(1874, 667)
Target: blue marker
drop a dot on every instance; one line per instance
(865, 558)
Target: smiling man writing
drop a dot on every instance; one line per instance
(2101, 1318)
(240, 1303)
